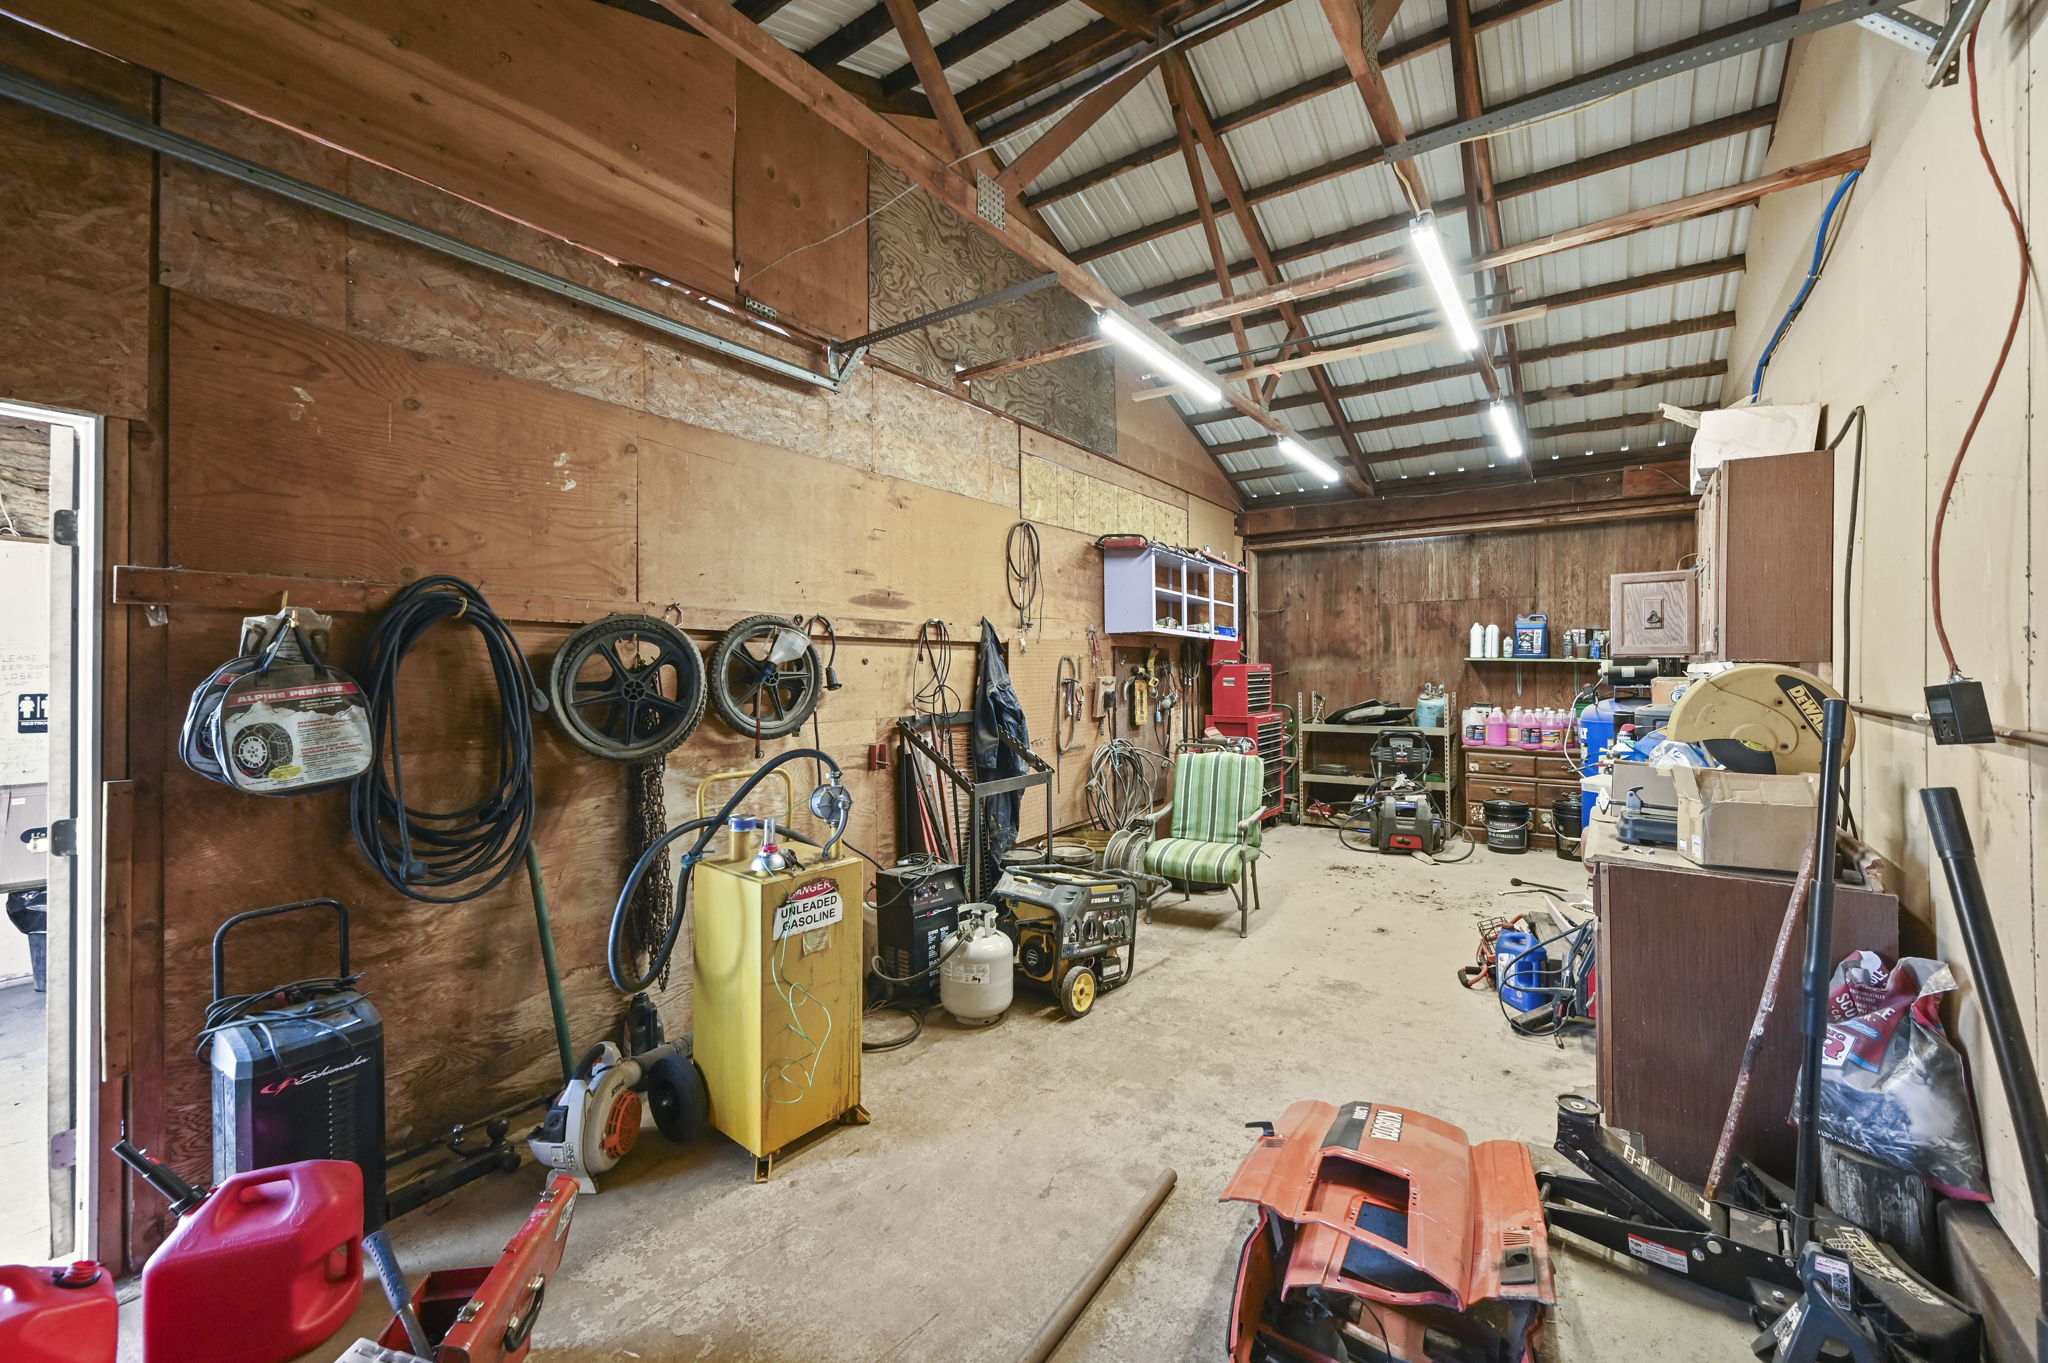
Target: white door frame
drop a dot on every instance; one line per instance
(84, 871)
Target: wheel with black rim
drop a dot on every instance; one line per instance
(1077, 992)
(761, 685)
(678, 1097)
(627, 688)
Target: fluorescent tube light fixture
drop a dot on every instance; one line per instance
(1189, 380)
(1308, 459)
(1505, 429)
(1428, 246)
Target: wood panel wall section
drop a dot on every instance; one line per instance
(303, 399)
(629, 153)
(800, 189)
(1382, 617)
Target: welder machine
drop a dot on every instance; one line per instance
(1076, 931)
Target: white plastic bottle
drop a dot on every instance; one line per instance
(1477, 640)
(1490, 643)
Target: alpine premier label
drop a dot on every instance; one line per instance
(815, 905)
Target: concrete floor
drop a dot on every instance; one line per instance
(24, 1120)
(1001, 1160)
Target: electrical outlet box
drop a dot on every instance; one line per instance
(1957, 711)
(1105, 696)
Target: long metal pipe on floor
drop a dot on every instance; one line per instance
(1062, 1320)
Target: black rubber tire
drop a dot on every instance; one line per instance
(633, 740)
(1077, 999)
(678, 1097)
(793, 688)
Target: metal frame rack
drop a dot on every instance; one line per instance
(971, 793)
(1447, 763)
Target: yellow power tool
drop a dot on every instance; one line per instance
(1758, 717)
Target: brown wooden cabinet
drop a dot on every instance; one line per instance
(1683, 953)
(1766, 565)
(1534, 778)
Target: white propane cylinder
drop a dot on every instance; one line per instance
(977, 980)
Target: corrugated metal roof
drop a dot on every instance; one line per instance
(1291, 46)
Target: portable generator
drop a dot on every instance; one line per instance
(298, 1069)
(1076, 931)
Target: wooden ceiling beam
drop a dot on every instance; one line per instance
(1673, 500)
(725, 26)
(931, 75)
(1352, 21)
(1688, 326)
(1473, 444)
(983, 32)
(1634, 153)
(870, 26)
(1323, 84)
(1458, 411)
(1189, 105)
(1051, 144)
(1082, 50)
(1607, 229)
(1482, 219)
(1128, 15)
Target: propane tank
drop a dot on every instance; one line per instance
(977, 980)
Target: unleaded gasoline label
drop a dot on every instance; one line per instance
(816, 905)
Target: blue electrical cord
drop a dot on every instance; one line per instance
(1820, 241)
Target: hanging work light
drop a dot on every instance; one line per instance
(1427, 245)
(1302, 455)
(1189, 380)
(1505, 430)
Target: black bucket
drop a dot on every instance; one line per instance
(1507, 825)
(1567, 815)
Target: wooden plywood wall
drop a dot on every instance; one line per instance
(1381, 618)
(299, 398)
(922, 257)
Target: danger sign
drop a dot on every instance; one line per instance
(816, 905)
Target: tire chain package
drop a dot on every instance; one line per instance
(1892, 1085)
(275, 719)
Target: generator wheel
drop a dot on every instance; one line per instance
(627, 688)
(758, 698)
(1077, 992)
(678, 1098)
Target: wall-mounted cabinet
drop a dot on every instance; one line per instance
(1766, 576)
(1653, 615)
(1157, 590)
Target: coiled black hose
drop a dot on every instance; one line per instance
(422, 852)
(706, 829)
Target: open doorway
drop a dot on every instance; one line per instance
(49, 779)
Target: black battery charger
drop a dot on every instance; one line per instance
(1958, 714)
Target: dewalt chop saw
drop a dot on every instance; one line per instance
(1758, 717)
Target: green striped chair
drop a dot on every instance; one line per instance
(1217, 800)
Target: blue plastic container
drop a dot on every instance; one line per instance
(1596, 735)
(1520, 967)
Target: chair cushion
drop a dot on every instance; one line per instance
(1213, 792)
(1212, 863)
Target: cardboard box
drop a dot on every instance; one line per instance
(1667, 690)
(1743, 821)
(1655, 783)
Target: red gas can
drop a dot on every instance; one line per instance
(58, 1315)
(267, 1267)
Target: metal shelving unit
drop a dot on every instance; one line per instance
(1444, 739)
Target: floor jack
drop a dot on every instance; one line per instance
(1815, 1285)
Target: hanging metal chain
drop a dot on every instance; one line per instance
(646, 821)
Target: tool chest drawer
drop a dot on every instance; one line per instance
(1484, 762)
(1478, 788)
